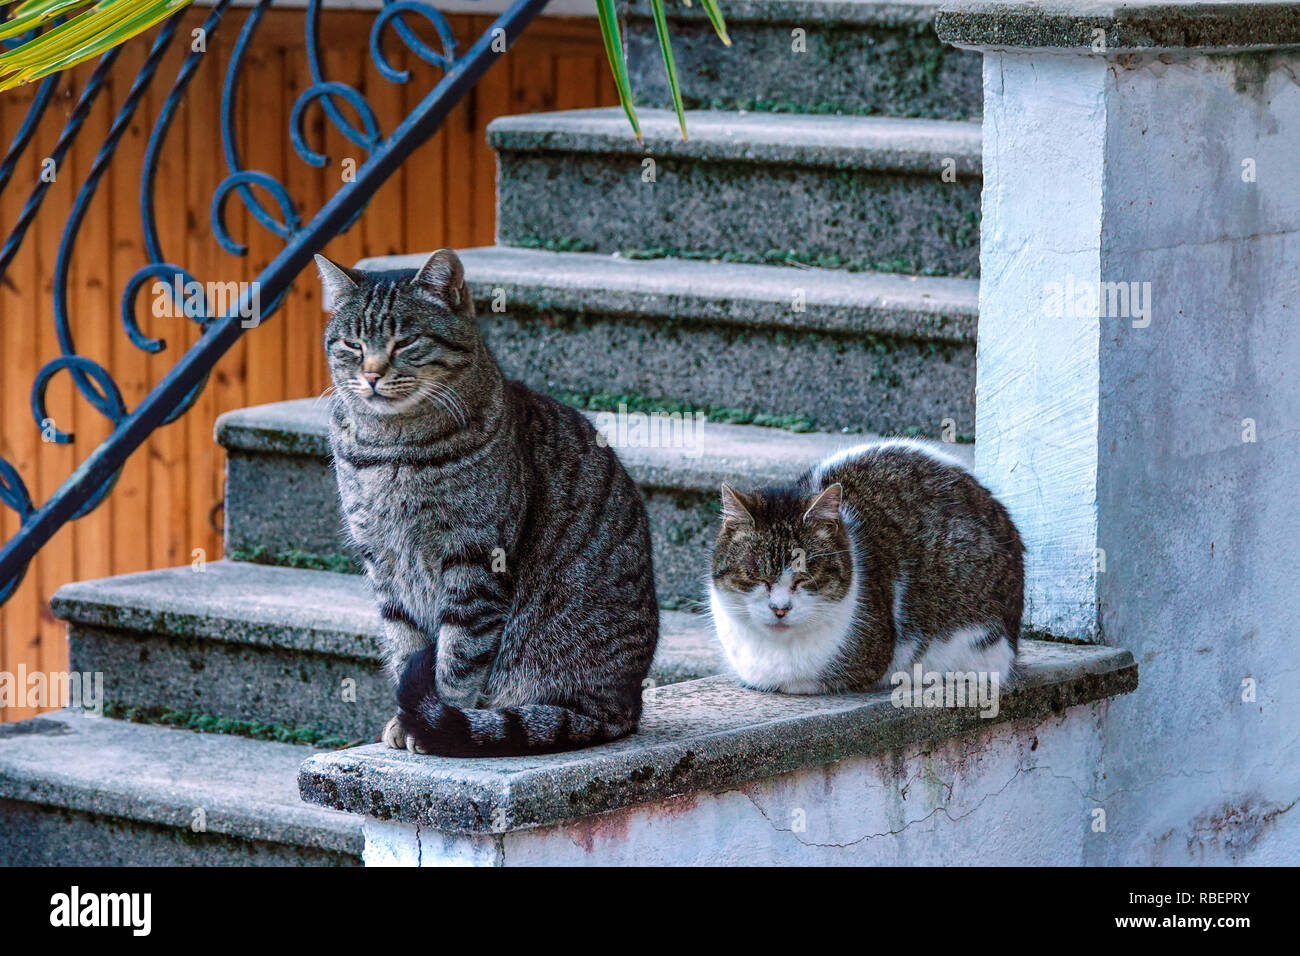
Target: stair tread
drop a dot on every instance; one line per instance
(848, 142)
(872, 12)
(307, 611)
(705, 735)
(744, 454)
(161, 775)
(834, 300)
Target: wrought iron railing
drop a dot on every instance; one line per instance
(92, 480)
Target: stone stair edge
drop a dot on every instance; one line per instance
(748, 454)
(703, 735)
(883, 13)
(160, 775)
(938, 308)
(245, 603)
(878, 143)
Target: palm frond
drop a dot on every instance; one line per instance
(715, 17)
(613, 40)
(95, 29)
(609, 32)
(666, 48)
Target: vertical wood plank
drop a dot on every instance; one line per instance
(577, 81)
(93, 316)
(492, 98)
(301, 316)
(133, 514)
(265, 344)
(346, 65)
(200, 118)
(19, 304)
(426, 221)
(230, 374)
(55, 565)
(168, 451)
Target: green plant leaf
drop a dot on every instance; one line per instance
(715, 17)
(666, 48)
(609, 33)
(35, 12)
(85, 36)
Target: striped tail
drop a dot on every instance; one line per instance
(448, 731)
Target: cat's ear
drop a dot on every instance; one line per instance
(443, 276)
(826, 506)
(735, 509)
(336, 282)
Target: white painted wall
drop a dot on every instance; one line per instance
(1100, 434)
(1021, 793)
(1036, 391)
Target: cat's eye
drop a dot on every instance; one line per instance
(405, 342)
(350, 345)
(802, 581)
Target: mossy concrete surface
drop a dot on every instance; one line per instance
(78, 790)
(249, 643)
(891, 195)
(32, 834)
(798, 56)
(837, 349)
(700, 736)
(1141, 26)
(281, 496)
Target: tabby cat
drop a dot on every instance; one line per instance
(508, 550)
(881, 557)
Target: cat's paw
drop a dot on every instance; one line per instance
(396, 736)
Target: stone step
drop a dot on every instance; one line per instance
(282, 501)
(77, 790)
(720, 774)
(281, 646)
(836, 349)
(853, 56)
(838, 191)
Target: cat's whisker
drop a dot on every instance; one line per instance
(439, 396)
(451, 398)
(328, 389)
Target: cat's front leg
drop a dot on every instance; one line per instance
(400, 638)
(473, 614)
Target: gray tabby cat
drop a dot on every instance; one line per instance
(508, 549)
(884, 556)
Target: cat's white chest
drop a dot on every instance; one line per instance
(791, 661)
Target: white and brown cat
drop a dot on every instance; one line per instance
(881, 557)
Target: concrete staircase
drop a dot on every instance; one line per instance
(802, 268)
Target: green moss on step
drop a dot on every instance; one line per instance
(554, 244)
(612, 402)
(295, 558)
(210, 724)
(795, 258)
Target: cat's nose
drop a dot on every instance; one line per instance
(780, 611)
(371, 378)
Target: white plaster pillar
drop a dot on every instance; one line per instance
(1145, 436)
